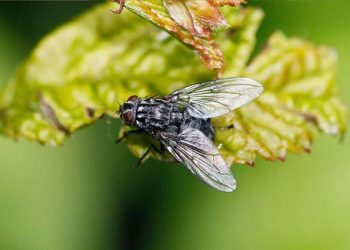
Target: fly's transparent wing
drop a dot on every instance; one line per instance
(199, 154)
(217, 97)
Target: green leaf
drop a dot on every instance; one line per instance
(77, 73)
(300, 98)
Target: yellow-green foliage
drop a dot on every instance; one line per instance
(77, 73)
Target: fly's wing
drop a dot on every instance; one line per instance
(217, 97)
(199, 154)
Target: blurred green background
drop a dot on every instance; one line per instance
(86, 195)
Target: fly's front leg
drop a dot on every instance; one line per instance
(128, 133)
(148, 151)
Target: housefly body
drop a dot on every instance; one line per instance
(181, 123)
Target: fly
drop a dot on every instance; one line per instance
(181, 123)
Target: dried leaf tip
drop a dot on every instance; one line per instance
(191, 21)
(198, 17)
(121, 6)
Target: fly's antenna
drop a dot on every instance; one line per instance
(117, 112)
(118, 102)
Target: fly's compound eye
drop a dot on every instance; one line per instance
(128, 117)
(132, 98)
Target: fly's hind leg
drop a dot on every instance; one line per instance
(147, 152)
(224, 127)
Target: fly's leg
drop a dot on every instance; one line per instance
(162, 148)
(148, 151)
(143, 157)
(224, 127)
(221, 128)
(128, 133)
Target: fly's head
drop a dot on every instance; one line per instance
(127, 110)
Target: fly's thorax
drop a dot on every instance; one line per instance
(157, 114)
